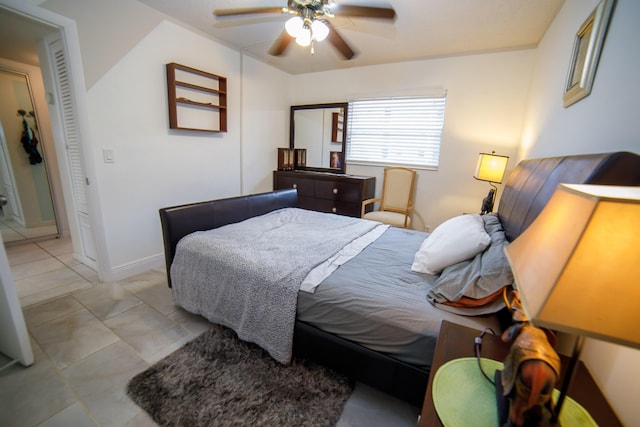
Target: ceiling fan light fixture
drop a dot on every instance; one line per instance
(310, 22)
(294, 26)
(320, 30)
(304, 37)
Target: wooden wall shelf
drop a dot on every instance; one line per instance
(197, 99)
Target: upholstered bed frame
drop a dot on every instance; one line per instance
(527, 190)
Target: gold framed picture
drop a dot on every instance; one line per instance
(586, 53)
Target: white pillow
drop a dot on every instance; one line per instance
(455, 240)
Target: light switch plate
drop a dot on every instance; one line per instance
(107, 155)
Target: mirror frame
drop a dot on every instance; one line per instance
(292, 133)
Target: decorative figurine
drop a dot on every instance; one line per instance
(487, 202)
(531, 370)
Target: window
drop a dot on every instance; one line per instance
(398, 131)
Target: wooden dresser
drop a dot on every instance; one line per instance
(327, 192)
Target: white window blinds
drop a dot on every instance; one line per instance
(398, 131)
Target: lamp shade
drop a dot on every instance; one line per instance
(577, 266)
(491, 167)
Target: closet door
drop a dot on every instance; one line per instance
(63, 110)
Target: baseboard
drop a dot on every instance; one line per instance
(129, 269)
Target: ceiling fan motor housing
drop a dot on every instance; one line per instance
(311, 9)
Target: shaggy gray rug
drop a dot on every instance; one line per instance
(218, 380)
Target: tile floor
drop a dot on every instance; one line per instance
(89, 338)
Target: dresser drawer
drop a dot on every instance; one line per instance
(334, 193)
(336, 190)
(330, 206)
(305, 187)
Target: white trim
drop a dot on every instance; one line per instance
(133, 268)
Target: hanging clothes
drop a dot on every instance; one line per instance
(29, 141)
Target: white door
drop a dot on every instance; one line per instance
(14, 338)
(64, 122)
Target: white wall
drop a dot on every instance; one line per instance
(607, 120)
(265, 123)
(486, 103)
(155, 166)
(127, 107)
(108, 30)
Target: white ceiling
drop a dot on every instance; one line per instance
(423, 29)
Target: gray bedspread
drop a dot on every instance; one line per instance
(377, 301)
(246, 276)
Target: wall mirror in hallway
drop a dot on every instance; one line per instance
(29, 212)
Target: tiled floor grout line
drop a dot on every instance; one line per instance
(92, 285)
(59, 370)
(63, 378)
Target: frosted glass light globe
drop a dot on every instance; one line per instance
(294, 26)
(320, 30)
(304, 37)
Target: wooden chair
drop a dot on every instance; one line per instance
(396, 202)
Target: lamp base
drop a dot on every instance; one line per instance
(501, 399)
(487, 202)
(542, 418)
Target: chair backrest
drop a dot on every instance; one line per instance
(397, 189)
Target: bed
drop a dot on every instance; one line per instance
(388, 346)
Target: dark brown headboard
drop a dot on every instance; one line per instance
(533, 181)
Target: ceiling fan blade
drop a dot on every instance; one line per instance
(281, 44)
(346, 10)
(247, 11)
(338, 42)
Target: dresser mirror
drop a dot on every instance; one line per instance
(321, 130)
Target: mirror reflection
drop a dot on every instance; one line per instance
(27, 210)
(321, 130)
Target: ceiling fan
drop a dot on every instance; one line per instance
(311, 22)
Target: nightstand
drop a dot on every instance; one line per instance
(455, 341)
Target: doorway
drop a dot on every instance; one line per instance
(32, 35)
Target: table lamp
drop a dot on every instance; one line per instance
(490, 168)
(576, 267)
